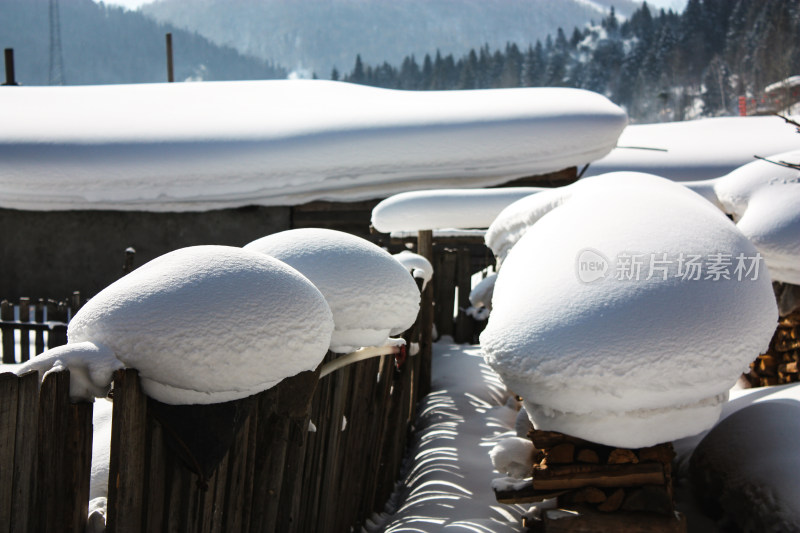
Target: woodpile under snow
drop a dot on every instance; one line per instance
(779, 364)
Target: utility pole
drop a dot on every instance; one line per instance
(9, 57)
(170, 73)
(56, 57)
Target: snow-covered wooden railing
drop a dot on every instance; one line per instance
(310, 454)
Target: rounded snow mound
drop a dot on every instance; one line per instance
(418, 266)
(371, 295)
(625, 313)
(209, 324)
(764, 200)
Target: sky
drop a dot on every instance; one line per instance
(674, 4)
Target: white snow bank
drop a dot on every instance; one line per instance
(748, 465)
(697, 149)
(201, 146)
(447, 479)
(209, 324)
(764, 200)
(369, 293)
(597, 313)
(417, 266)
(514, 456)
(445, 208)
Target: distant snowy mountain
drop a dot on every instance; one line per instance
(318, 35)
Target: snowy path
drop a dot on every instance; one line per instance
(449, 485)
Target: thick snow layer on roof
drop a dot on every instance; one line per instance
(764, 200)
(445, 208)
(371, 295)
(698, 149)
(596, 312)
(200, 146)
(209, 324)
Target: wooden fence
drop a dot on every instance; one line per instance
(310, 454)
(46, 319)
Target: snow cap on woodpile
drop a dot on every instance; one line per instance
(620, 356)
(209, 324)
(764, 200)
(371, 295)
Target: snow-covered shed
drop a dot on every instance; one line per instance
(87, 171)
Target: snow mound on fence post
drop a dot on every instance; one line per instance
(209, 324)
(622, 360)
(417, 266)
(371, 295)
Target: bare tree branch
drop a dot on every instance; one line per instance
(785, 164)
(789, 121)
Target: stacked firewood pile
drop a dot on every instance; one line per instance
(597, 486)
(779, 364)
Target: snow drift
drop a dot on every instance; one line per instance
(601, 353)
(201, 146)
(370, 294)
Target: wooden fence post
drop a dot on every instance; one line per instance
(23, 500)
(127, 461)
(25, 339)
(425, 249)
(64, 457)
(7, 315)
(463, 332)
(9, 387)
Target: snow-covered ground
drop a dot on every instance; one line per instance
(448, 473)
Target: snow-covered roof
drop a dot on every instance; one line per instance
(444, 208)
(791, 81)
(596, 312)
(200, 146)
(697, 149)
(371, 295)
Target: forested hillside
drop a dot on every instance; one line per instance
(659, 65)
(321, 34)
(103, 44)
